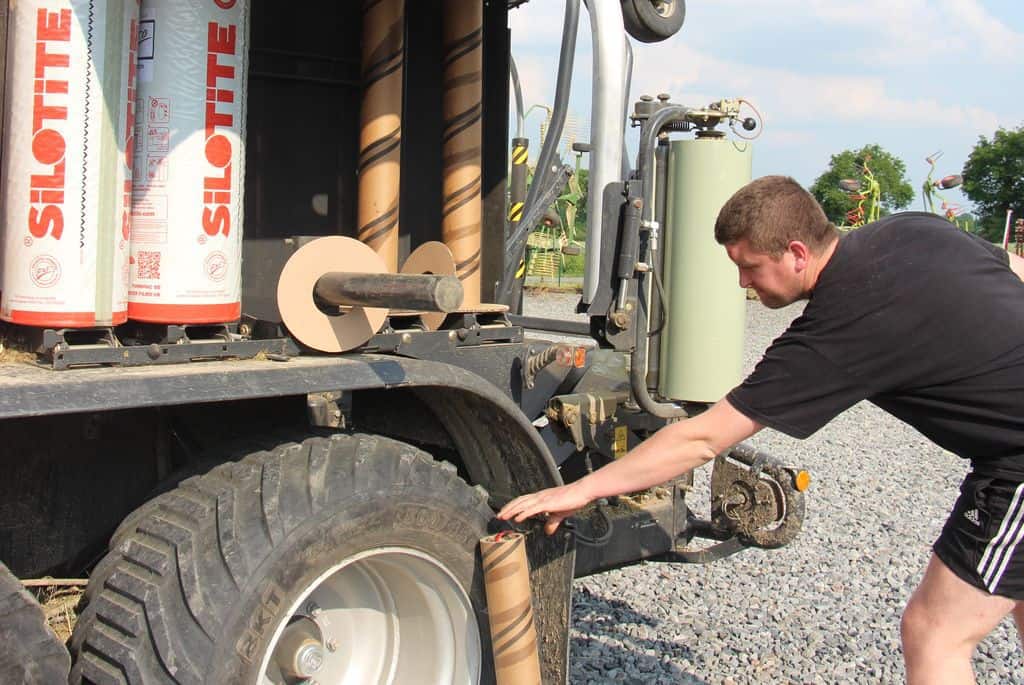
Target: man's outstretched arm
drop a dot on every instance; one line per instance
(1017, 265)
(672, 451)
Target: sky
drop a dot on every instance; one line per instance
(914, 76)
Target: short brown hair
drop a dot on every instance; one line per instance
(772, 211)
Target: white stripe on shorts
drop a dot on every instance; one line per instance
(1001, 548)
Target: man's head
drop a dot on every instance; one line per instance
(778, 236)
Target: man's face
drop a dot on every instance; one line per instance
(776, 280)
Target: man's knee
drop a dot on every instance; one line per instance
(915, 625)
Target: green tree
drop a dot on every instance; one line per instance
(994, 180)
(888, 170)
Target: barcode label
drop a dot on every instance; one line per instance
(147, 265)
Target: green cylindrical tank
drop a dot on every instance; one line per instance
(702, 352)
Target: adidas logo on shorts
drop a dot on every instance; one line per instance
(972, 516)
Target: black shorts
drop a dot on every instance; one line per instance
(983, 539)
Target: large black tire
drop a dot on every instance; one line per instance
(194, 588)
(652, 21)
(29, 651)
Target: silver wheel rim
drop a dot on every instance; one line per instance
(664, 8)
(389, 615)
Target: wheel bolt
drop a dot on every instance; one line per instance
(308, 659)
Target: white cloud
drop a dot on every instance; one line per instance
(791, 97)
(982, 31)
(888, 32)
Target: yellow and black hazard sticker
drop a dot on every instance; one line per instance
(621, 441)
(515, 212)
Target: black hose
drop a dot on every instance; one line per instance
(563, 85)
(638, 363)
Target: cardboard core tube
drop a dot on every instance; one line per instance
(510, 609)
(380, 137)
(462, 109)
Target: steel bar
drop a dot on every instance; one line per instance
(396, 291)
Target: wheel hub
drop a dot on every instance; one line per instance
(390, 615)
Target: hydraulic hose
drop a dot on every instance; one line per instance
(646, 167)
(563, 85)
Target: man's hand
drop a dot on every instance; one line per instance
(556, 504)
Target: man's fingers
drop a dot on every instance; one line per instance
(522, 508)
(513, 507)
(553, 522)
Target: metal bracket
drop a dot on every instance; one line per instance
(145, 345)
(589, 418)
(328, 409)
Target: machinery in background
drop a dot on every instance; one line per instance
(931, 187)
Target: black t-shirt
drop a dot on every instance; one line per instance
(918, 317)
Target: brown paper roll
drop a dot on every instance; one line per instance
(380, 138)
(431, 258)
(462, 108)
(510, 609)
(311, 326)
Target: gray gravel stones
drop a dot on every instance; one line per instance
(825, 609)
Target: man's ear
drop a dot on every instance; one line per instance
(801, 254)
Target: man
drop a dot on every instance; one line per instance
(923, 320)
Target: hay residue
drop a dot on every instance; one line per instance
(14, 350)
(59, 605)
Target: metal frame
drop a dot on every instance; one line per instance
(607, 123)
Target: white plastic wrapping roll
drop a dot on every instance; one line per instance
(190, 157)
(67, 161)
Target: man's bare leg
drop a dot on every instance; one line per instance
(944, 621)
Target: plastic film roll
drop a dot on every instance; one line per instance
(462, 109)
(70, 98)
(510, 609)
(380, 138)
(189, 166)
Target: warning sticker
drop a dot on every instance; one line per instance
(156, 170)
(158, 138)
(159, 111)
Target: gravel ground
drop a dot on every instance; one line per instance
(824, 609)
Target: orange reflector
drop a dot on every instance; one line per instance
(569, 355)
(802, 480)
(579, 357)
